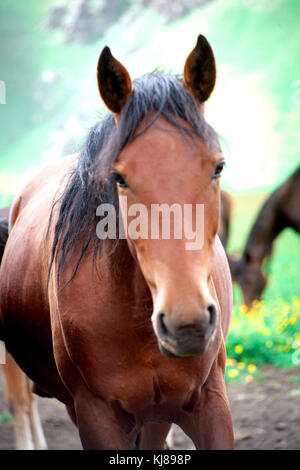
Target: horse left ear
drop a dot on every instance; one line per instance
(200, 70)
(114, 82)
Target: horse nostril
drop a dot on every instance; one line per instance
(162, 325)
(212, 312)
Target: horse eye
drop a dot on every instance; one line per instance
(218, 170)
(120, 181)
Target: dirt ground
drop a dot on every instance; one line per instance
(266, 415)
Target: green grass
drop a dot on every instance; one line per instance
(5, 417)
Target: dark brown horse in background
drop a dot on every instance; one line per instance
(280, 210)
(128, 333)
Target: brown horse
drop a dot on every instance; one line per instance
(18, 388)
(21, 401)
(128, 332)
(279, 211)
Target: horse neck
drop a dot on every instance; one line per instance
(290, 203)
(267, 226)
(128, 278)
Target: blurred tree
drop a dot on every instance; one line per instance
(20, 56)
(85, 21)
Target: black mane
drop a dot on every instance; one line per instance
(92, 182)
(3, 235)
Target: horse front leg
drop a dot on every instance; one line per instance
(103, 426)
(153, 436)
(210, 425)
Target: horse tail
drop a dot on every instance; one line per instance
(3, 240)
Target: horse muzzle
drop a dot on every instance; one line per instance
(177, 338)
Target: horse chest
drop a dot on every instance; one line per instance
(155, 393)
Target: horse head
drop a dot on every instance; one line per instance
(249, 275)
(170, 173)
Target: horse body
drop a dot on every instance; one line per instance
(132, 342)
(29, 319)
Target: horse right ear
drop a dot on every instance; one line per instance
(200, 70)
(114, 82)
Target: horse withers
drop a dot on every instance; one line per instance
(128, 331)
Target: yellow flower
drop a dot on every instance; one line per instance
(252, 368)
(293, 320)
(269, 344)
(239, 349)
(249, 378)
(244, 308)
(240, 365)
(232, 373)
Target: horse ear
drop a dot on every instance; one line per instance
(200, 70)
(114, 82)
